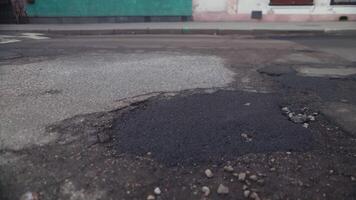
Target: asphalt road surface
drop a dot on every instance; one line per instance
(116, 117)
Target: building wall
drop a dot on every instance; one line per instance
(240, 10)
(201, 10)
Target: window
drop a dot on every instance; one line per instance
(292, 2)
(343, 2)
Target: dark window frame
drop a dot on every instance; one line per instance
(291, 4)
(342, 3)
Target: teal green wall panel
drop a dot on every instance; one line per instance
(88, 8)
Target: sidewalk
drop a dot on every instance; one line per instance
(184, 28)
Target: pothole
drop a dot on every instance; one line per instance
(190, 129)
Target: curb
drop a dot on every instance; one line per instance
(184, 31)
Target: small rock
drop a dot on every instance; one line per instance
(247, 104)
(290, 115)
(228, 168)
(353, 179)
(299, 119)
(242, 176)
(205, 190)
(253, 177)
(305, 125)
(254, 196)
(261, 174)
(246, 137)
(30, 196)
(151, 197)
(209, 173)
(311, 118)
(288, 153)
(244, 187)
(247, 193)
(272, 169)
(222, 189)
(286, 110)
(157, 191)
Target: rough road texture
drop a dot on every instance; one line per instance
(40, 93)
(99, 155)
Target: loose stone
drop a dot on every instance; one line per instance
(222, 189)
(209, 173)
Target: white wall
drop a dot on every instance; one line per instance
(244, 7)
(210, 5)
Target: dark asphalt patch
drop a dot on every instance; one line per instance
(328, 89)
(207, 127)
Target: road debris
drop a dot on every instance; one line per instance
(222, 189)
(228, 168)
(300, 118)
(253, 177)
(246, 137)
(254, 196)
(242, 176)
(205, 190)
(247, 193)
(157, 191)
(209, 173)
(151, 197)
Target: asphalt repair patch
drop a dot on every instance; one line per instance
(217, 127)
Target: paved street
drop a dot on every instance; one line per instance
(177, 116)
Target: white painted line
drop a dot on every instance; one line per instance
(6, 41)
(35, 36)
